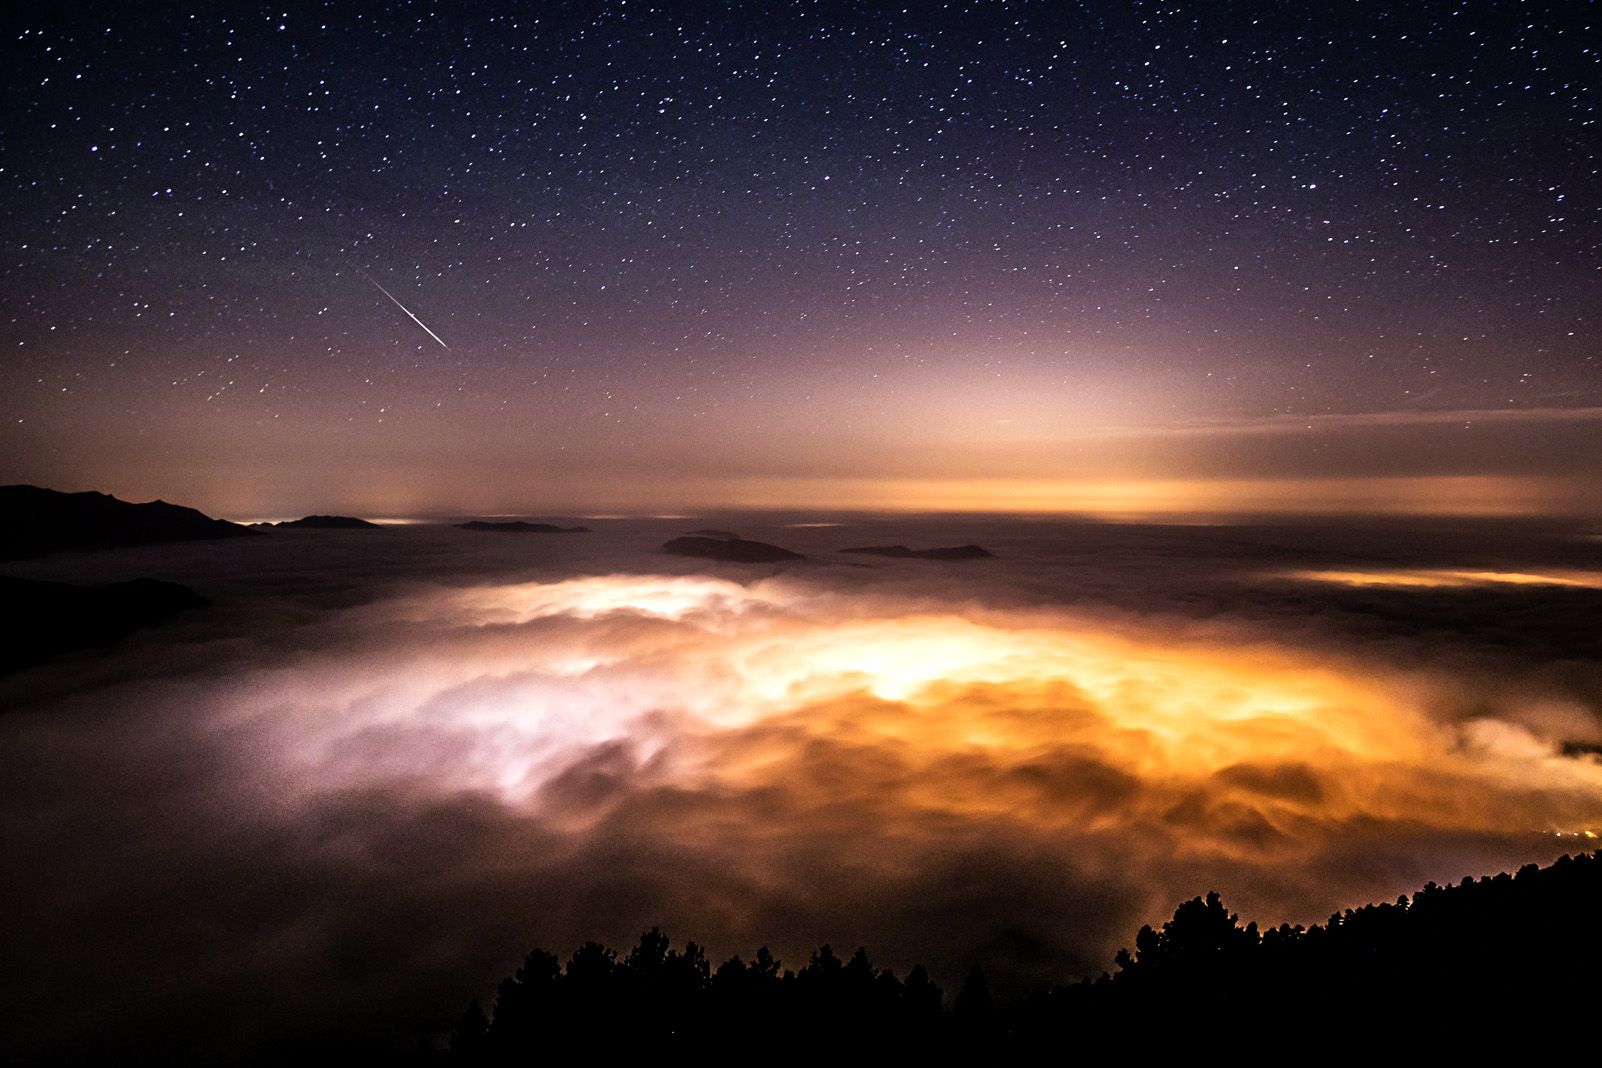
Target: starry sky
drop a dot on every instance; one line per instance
(1129, 259)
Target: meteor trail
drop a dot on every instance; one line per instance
(407, 310)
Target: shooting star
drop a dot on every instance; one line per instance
(407, 310)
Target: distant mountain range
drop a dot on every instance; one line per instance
(324, 522)
(35, 522)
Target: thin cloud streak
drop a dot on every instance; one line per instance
(1402, 417)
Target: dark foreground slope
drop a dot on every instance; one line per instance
(1503, 959)
(46, 618)
(35, 521)
(1509, 958)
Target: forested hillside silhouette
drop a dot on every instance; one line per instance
(1452, 967)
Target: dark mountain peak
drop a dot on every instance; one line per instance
(327, 522)
(721, 535)
(36, 521)
(729, 550)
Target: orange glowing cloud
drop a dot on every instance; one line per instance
(829, 755)
(726, 686)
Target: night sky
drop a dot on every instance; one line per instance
(1257, 345)
(1030, 256)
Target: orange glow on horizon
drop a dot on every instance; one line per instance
(1166, 499)
(1487, 496)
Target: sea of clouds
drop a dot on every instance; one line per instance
(385, 764)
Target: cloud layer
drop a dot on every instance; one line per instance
(347, 801)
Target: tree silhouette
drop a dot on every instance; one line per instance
(1447, 970)
(470, 1039)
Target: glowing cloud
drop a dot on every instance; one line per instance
(1444, 577)
(917, 760)
(720, 686)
